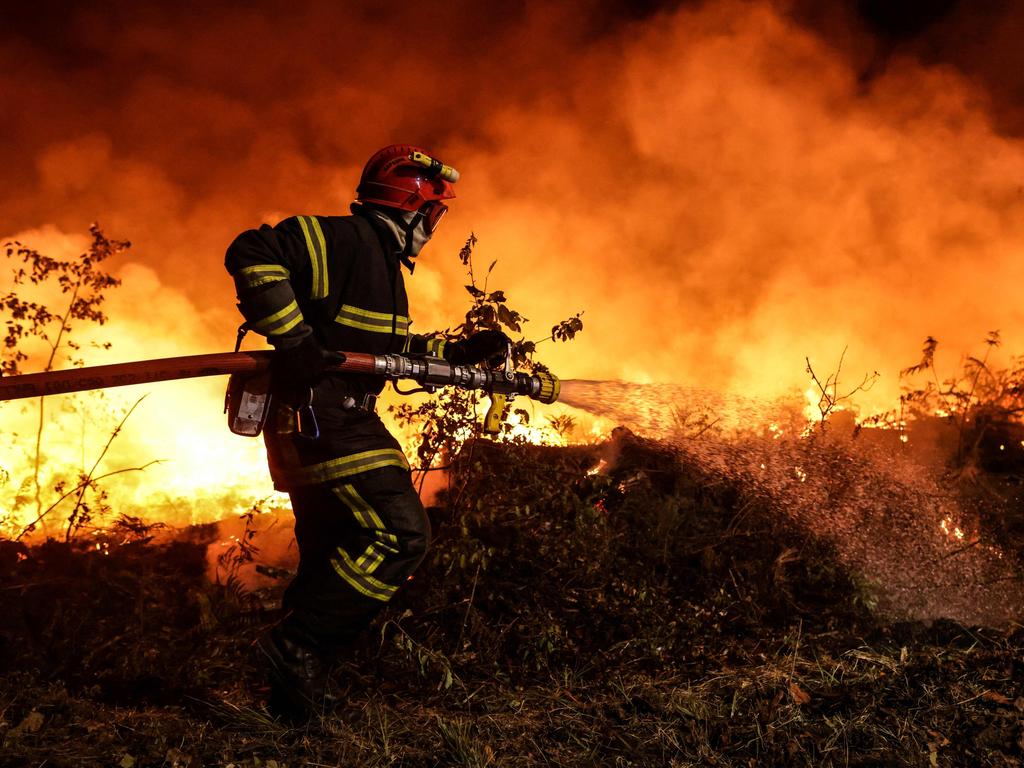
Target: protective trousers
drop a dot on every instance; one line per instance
(359, 540)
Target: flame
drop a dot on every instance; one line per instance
(718, 186)
(812, 410)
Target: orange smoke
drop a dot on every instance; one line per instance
(715, 186)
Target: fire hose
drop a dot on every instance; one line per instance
(502, 383)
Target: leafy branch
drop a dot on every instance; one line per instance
(450, 418)
(33, 324)
(975, 400)
(83, 482)
(828, 390)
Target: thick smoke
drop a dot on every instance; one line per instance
(722, 189)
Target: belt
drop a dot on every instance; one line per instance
(368, 403)
(306, 425)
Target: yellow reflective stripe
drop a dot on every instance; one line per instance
(364, 513)
(319, 233)
(259, 274)
(369, 314)
(281, 321)
(435, 347)
(359, 580)
(317, 247)
(398, 330)
(242, 283)
(287, 326)
(260, 269)
(374, 322)
(371, 559)
(346, 466)
(384, 543)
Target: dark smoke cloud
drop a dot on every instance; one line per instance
(978, 38)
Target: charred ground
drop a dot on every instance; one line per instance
(649, 615)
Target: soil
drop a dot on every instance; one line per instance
(648, 614)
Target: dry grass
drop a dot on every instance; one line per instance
(646, 618)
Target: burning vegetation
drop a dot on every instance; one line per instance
(649, 613)
(684, 562)
(724, 581)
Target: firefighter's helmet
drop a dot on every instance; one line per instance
(405, 177)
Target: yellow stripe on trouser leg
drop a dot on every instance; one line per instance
(384, 543)
(372, 558)
(345, 466)
(364, 513)
(359, 579)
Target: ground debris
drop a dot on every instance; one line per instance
(643, 615)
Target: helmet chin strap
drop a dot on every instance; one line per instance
(416, 236)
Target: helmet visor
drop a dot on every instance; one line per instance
(433, 212)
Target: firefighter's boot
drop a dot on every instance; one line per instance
(298, 677)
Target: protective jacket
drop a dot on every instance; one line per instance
(333, 277)
(326, 275)
(360, 526)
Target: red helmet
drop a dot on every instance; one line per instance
(405, 177)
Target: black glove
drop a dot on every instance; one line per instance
(482, 345)
(302, 365)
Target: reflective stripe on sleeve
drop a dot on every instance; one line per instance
(280, 322)
(345, 466)
(317, 247)
(259, 274)
(435, 347)
(375, 322)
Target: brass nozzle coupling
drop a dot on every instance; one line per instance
(542, 386)
(550, 387)
(435, 167)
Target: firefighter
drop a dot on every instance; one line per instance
(313, 285)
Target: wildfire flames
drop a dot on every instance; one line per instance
(720, 187)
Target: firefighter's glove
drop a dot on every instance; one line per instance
(483, 345)
(302, 365)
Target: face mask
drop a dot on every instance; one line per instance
(416, 234)
(408, 229)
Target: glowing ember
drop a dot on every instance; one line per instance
(951, 529)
